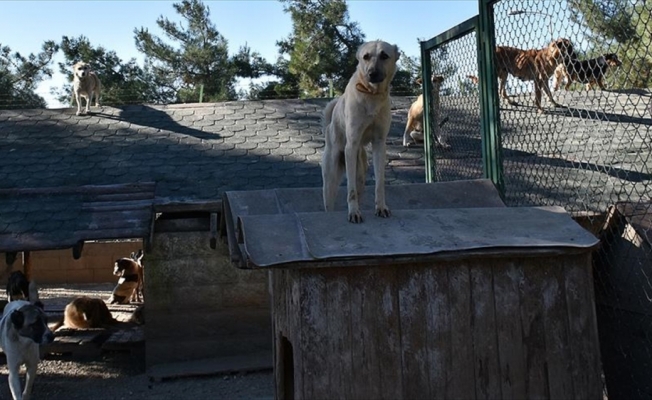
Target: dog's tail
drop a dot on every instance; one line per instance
(328, 114)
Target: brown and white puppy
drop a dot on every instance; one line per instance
(360, 116)
(130, 283)
(22, 329)
(536, 65)
(590, 71)
(85, 313)
(85, 84)
(414, 125)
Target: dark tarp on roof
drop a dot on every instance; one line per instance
(58, 218)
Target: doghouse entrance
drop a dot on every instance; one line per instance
(287, 367)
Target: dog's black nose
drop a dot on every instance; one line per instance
(48, 338)
(375, 76)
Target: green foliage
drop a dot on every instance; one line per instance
(122, 82)
(321, 47)
(625, 22)
(199, 56)
(286, 84)
(19, 76)
(405, 80)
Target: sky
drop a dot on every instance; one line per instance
(25, 25)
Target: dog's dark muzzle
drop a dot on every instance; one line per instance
(47, 338)
(375, 76)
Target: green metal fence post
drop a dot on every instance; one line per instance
(428, 142)
(489, 102)
(201, 93)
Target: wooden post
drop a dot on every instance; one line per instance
(27, 265)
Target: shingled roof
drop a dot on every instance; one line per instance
(181, 153)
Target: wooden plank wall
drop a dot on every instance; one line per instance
(490, 328)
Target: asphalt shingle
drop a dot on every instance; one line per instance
(190, 152)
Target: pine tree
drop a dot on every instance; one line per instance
(623, 27)
(322, 45)
(199, 56)
(20, 75)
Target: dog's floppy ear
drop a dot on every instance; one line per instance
(18, 319)
(397, 52)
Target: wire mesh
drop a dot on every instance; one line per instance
(455, 110)
(586, 148)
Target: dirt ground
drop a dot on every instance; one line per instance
(122, 375)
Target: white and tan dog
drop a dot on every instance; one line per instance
(360, 116)
(22, 329)
(85, 84)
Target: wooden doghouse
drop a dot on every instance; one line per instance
(623, 267)
(454, 296)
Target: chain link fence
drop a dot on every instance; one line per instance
(590, 152)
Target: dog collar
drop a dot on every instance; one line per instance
(361, 87)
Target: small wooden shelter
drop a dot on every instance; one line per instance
(454, 296)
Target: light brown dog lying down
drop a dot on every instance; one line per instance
(86, 312)
(414, 125)
(536, 65)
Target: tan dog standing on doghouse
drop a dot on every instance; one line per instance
(360, 116)
(85, 84)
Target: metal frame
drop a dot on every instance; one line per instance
(483, 26)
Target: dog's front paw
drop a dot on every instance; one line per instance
(78, 113)
(383, 212)
(355, 217)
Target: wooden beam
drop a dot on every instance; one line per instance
(214, 230)
(10, 257)
(27, 264)
(88, 189)
(77, 250)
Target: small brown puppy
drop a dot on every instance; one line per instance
(86, 312)
(590, 71)
(85, 84)
(536, 65)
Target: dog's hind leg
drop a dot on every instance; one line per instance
(408, 128)
(332, 169)
(378, 148)
(98, 91)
